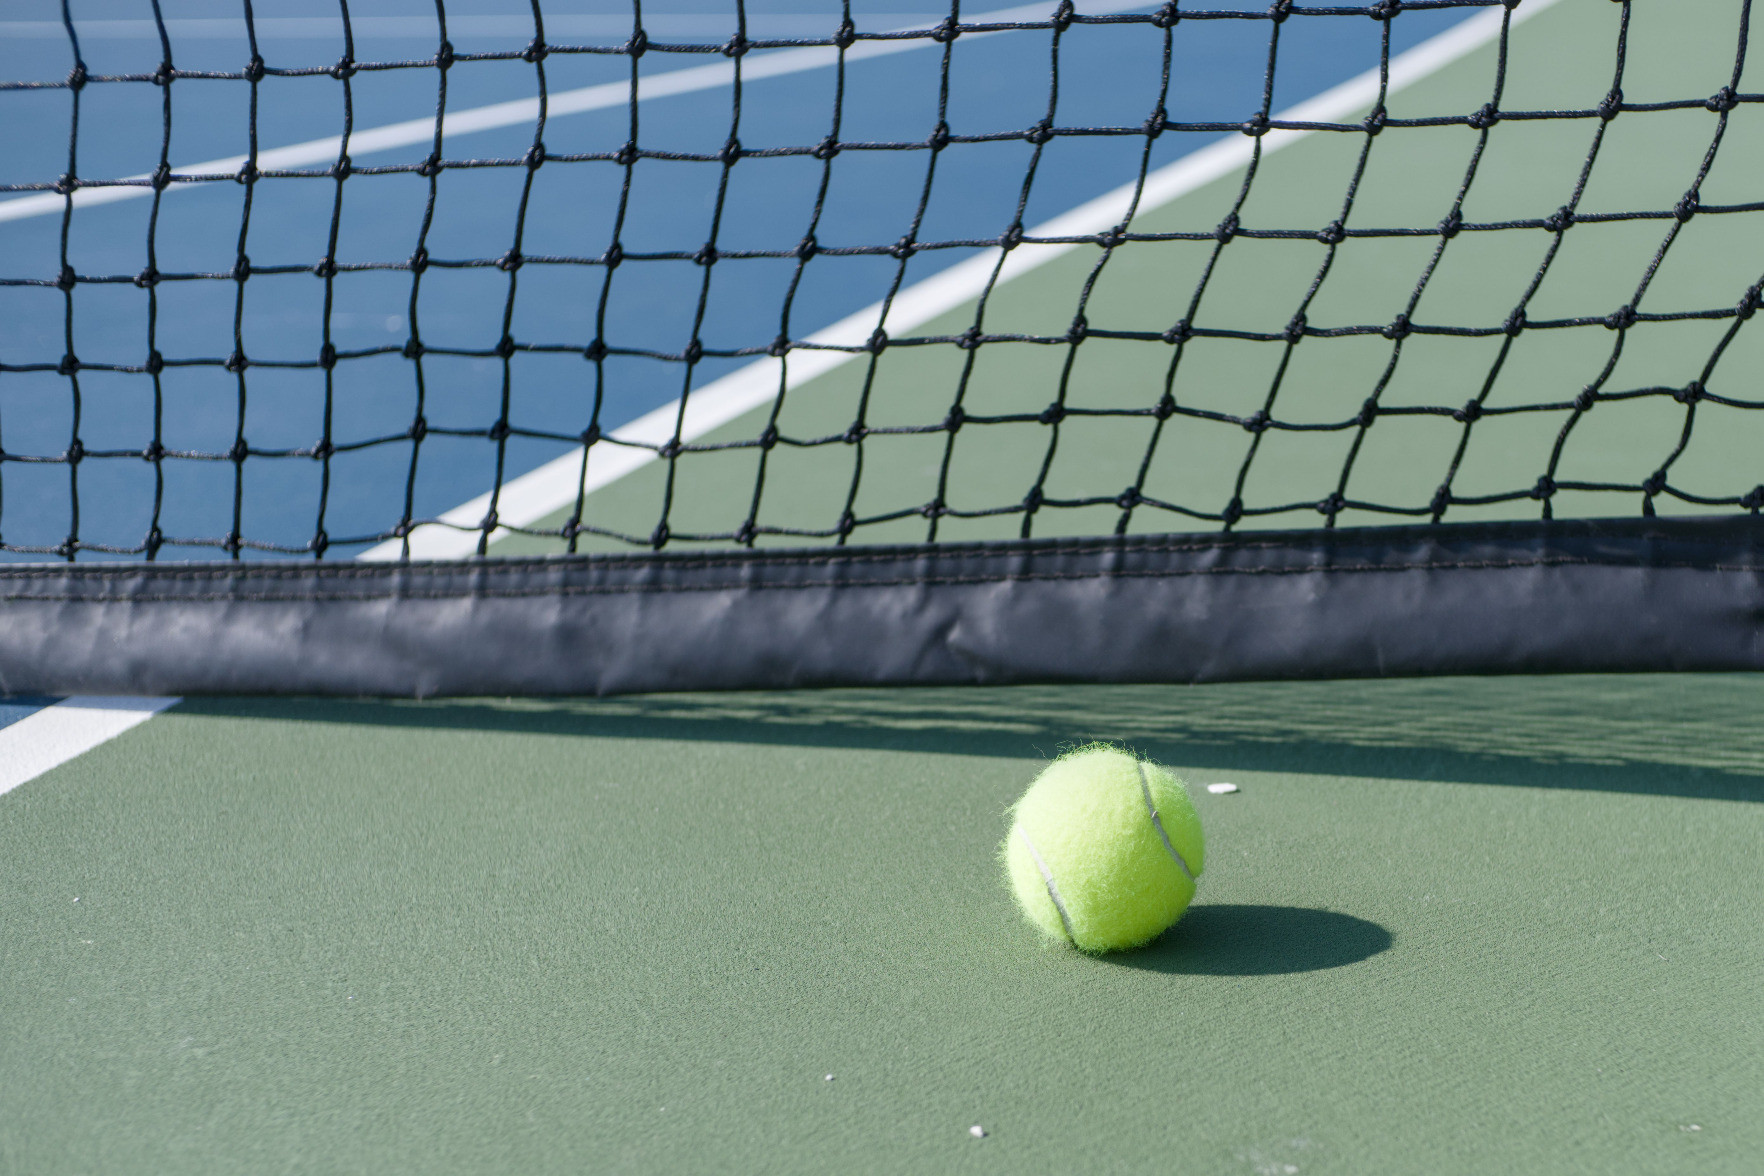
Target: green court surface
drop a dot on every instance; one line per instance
(1465, 925)
(1562, 59)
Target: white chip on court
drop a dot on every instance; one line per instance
(1221, 789)
(977, 1131)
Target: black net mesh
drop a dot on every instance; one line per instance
(1243, 374)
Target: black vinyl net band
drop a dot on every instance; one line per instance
(1031, 500)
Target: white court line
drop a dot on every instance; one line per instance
(63, 730)
(554, 485)
(775, 63)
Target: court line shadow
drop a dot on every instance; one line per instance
(1243, 940)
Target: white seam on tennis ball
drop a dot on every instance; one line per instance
(1145, 790)
(1053, 891)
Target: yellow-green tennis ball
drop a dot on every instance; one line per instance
(1104, 850)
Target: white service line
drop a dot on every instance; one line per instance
(521, 111)
(554, 485)
(63, 730)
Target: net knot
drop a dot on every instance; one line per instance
(939, 137)
(877, 341)
(413, 348)
(321, 541)
(768, 439)
(1368, 413)
(694, 351)
(1332, 505)
(638, 45)
(1612, 104)
(155, 363)
(237, 362)
(64, 184)
(419, 428)
(1256, 125)
(1033, 500)
(1545, 487)
(902, 249)
(344, 69)
(1256, 422)
(628, 154)
(946, 31)
(238, 451)
(779, 347)
(1588, 397)
(595, 351)
(324, 450)
(534, 159)
(1754, 498)
(1484, 118)
(1038, 134)
(855, 433)
(165, 75)
(955, 418)
(1295, 327)
(1722, 100)
(1749, 302)
(1011, 237)
(535, 52)
(590, 436)
(325, 267)
(731, 152)
(505, 347)
(511, 261)
(827, 148)
(1560, 221)
(1182, 332)
(254, 69)
(1655, 483)
(746, 533)
(846, 36)
(1687, 206)
(615, 253)
(1332, 233)
(162, 176)
(1167, 16)
(65, 278)
(155, 451)
(1452, 224)
(1233, 512)
(70, 363)
(343, 168)
(1079, 330)
(247, 173)
(1385, 9)
(1155, 123)
(1398, 328)
(1690, 393)
(969, 339)
(1442, 498)
(1469, 414)
(327, 356)
(1128, 498)
(444, 56)
(1062, 16)
(498, 430)
(1515, 322)
(1621, 319)
(1165, 407)
(1279, 10)
(1376, 120)
(736, 47)
(1227, 228)
(1053, 414)
(419, 260)
(77, 77)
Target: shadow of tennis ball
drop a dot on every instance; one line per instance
(1230, 940)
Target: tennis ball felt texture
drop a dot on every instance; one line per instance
(1104, 849)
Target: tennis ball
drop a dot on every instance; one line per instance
(1104, 850)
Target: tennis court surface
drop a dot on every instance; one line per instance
(1414, 340)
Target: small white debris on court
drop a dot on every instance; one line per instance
(1221, 789)
(977, 1131)
(829, 1078)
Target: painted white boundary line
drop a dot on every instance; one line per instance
(554, 485)
(71, 727)
(771, 64)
